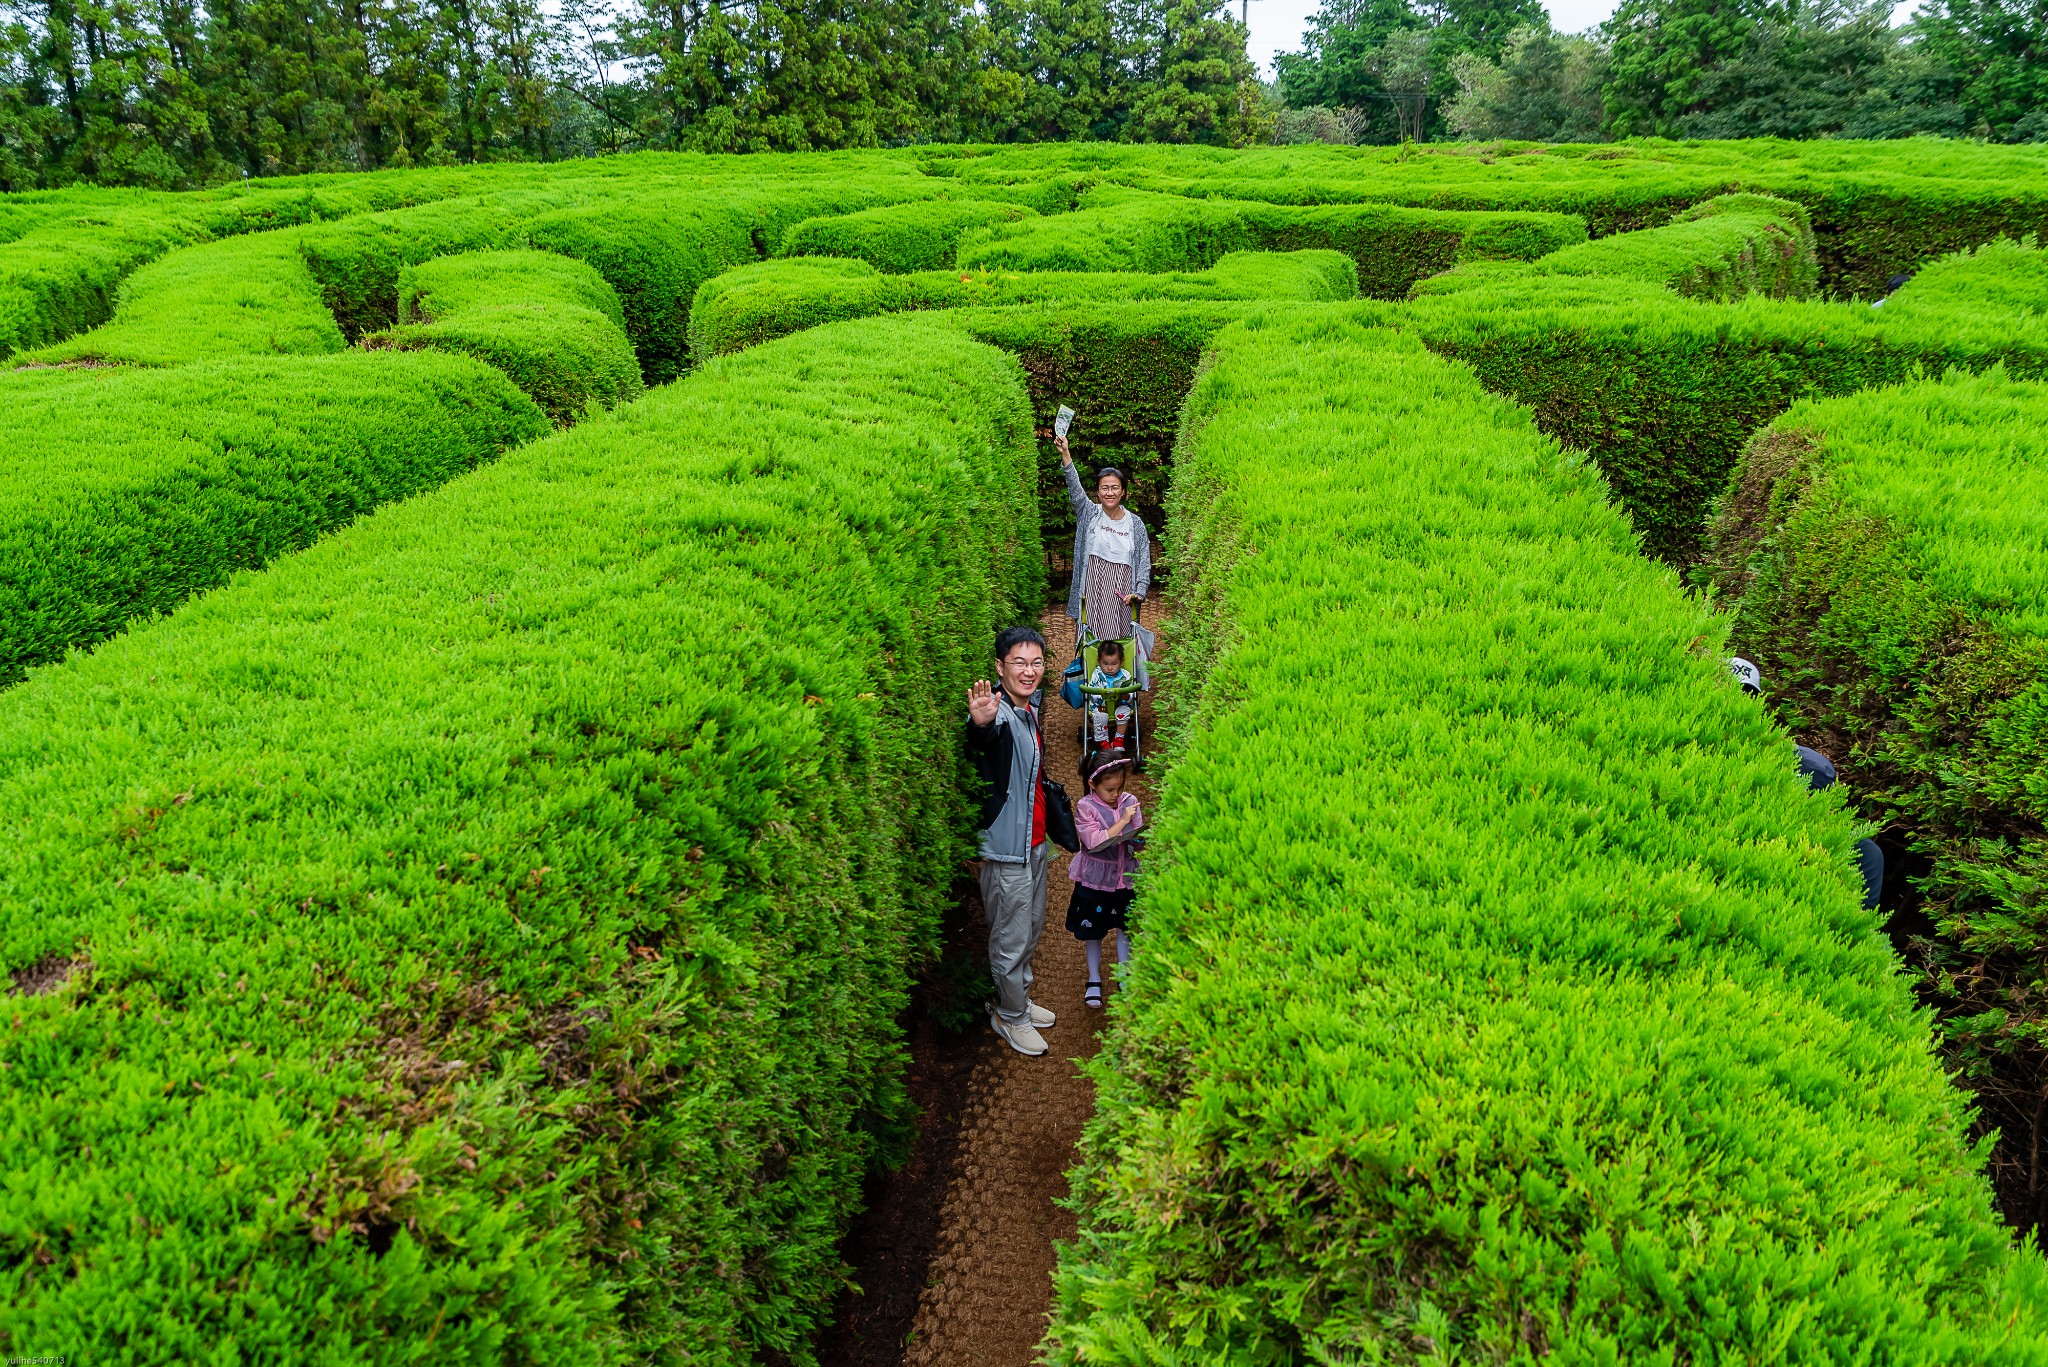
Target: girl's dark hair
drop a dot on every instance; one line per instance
(1115, 648)
(1097, 762)
(1106, 471)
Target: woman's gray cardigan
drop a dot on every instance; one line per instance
(1086, 511)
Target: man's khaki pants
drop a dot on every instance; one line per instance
(1013, 897)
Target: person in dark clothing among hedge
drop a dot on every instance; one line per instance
(1007, 746)
(1819, 772)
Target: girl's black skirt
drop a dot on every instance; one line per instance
(1093, 913)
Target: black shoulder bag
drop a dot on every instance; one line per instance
(1059, 811)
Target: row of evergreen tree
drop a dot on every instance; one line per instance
(176, 93)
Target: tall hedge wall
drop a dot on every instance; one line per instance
(129, 492)
(752, 304)
(1885, 559)
(1877, 208)
(898, 238)
(1113, 229)
(1663, 391)
(246, 296)
(483, 930)
(553, 325)
(1505, 994)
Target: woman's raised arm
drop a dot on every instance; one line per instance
(1076, 493)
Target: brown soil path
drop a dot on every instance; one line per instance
(990, 1281)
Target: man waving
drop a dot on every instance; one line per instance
(1005, 743)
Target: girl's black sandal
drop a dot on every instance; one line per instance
(1092, 993)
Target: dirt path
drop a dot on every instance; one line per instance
(997, 1147)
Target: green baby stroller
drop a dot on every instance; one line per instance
(1091, 700)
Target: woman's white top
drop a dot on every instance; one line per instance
(1112, 539)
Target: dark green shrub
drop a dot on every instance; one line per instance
(1882, 556)
(899, 238)
(550, 323)
(496, 914)
(130, 491)
(1505, 995)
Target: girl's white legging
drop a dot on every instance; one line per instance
(1094, 948)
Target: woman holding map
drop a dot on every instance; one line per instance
(1112, 553)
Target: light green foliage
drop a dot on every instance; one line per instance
(359, 261)
(525, 880)
(489, 923)
(753, 304)
(1664, 390)
(1116, 229)
(1504, 988)
(1878, 208)
(899, 238)
(1113, 231)
(62, 273)
(656, 250)
(550, 323)
(1885, 556)
(240, 297)
(127, 492)
(1726, 248)
(2001, 277)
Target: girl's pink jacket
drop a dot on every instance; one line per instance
(1111, 871)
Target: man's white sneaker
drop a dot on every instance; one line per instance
(1041, 1017)
(1020, 1035)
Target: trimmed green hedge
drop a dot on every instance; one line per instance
(497, 913)
(1877, 207)
(62, 272)
(657, 250)
(130, 491)
(359, 262)
(2001, 276)
(245, 296)
(1885, 556)
(1663, 391)
(550, 323)
(1504, 994)
(1725, 248)
(753, 304)
(1124, 230)
(899, 238)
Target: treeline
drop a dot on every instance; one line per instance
(175, 93)
(1383, 70)
(172, 93)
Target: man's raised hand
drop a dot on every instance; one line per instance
(981, 703)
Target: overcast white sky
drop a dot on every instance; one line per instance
(1277, 24)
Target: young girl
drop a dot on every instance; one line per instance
(1102, 871)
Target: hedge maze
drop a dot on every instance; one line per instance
(480, 655)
